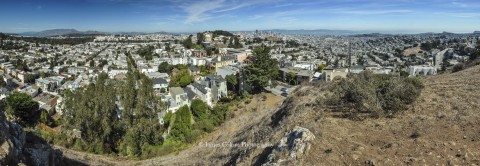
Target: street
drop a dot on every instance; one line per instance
(278, 89)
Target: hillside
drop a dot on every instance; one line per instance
(441, 127)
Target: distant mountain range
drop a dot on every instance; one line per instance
(74, 32)
(60, 32)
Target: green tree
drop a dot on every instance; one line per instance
(187, 43)
(168, 118)
(43, 74)
(292, 77)
(181, 78)
(92, 63)
(185, 80)
(200, 38)
(93, 112)
(164, 67)
(475, 54)
(182, 127)
(167, 47)
(231, 82)
(2, 82)
(21, 106)
(262, 70)
(200, 109)
(321, 67)
(44, 117)
(163, 90)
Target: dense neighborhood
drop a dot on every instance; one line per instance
(204, 69)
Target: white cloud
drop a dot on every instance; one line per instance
(202, 10)
(460, 14)
(199, 11)
(463, 4)
(368, 12)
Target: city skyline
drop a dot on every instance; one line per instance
(395, 16)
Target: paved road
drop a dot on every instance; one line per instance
(278, 89)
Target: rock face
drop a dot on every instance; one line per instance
(12, 140)
(18, 147)
(291, 148)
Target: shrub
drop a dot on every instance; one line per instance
(458, 67)
(374, 95)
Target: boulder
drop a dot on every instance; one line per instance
(291, 148)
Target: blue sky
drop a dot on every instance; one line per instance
(403, 16)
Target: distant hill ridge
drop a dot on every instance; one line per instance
(59, 32)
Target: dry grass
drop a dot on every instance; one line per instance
(440, 128)
(413, 50)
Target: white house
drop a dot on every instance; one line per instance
(203, 92)
(113, 73)
(179, 96)
(421, 70)
(159, 83)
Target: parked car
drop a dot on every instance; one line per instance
(284, 90)
(284, 94)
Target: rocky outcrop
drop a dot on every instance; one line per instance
(12, 141)
(18, 147)
(291, 148)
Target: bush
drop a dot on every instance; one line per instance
(458, 67)
(374, 95)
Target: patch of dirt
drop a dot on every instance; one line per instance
(413, 50)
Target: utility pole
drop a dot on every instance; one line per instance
(349, 63)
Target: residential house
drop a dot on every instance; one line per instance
(30, 90)
(8, 79)
(199, 53)
(4, 93)
(173, 106)
(305, 65)
(203, 92)
(58, 69)
(421, 70)
(159, 83)
(194, 71)
(153, 75)
(356, 69)
(301, 75)
(330, 73)
(197, 61)
(222, 61)
(46, 102)
(76, 70)
(190, 94)
(218, 86)
(113, 73)
(45, 84)
(240, 55)
(227, 70)
(179, 96)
